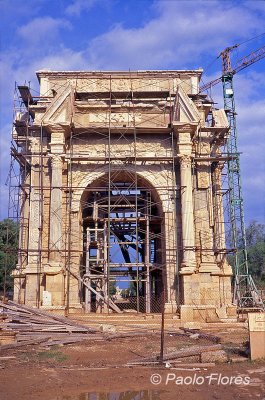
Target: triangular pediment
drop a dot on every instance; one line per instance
(185, 110)
(59, 110)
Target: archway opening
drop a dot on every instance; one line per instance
(123, 239)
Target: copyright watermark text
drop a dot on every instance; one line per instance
(196, 379)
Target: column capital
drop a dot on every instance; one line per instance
(53, 128)
(183, 127)
(185, 160)
(34, 145)
(56, 161)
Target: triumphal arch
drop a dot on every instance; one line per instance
(121, 195)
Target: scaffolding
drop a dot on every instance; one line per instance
(121, 217)
(120, 262)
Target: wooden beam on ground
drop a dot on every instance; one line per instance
(24, 343)
(191, 351)
(107, 300)
(65, 320)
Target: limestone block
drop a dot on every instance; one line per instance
(55, 286)
(221, 312)
(200, 315)
(212, 315)
(32, 290)
(170, 308)
(186, 313)
(108, 328)
(205, 278)
(231, 311)
(46, 298)
(192, 325)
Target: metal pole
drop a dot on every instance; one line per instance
(162, 333)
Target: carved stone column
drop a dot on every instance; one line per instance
(218, 216)
(57, 151)
(56, 209)
(55, 275)
(188, 234)
(219, 240)
(32, 270)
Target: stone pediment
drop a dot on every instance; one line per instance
(59, 110)
(185, 110)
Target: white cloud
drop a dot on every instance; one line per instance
(180, 35)
(79, 6)
(42, 29)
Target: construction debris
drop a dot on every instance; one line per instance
(28, 326)
(198, 334)
(187, 352)
(7, 337)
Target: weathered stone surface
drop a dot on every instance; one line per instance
(143, 126)
(106, 328)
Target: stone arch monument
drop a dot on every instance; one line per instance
(123, 187)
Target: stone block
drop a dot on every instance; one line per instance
(212, 315)
(221, 312)
(170, 308)
(46, 298)
(231, 311)
(186, 313)
(192, 325)
(200, 314)
(108, 328)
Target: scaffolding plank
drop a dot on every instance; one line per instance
(25, 95)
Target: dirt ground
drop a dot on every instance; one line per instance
(77, 372)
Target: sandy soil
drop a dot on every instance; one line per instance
(69, 372)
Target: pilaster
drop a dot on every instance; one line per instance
(184, 134)
(33, 267)
(218, 216)
(54, 272)
(57, 146)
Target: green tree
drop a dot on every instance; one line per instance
(8, 252)
(255, 240)
(112, 288)
(255, 236)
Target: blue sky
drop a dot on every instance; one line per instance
(139, 34)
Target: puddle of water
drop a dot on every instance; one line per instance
(129, 395)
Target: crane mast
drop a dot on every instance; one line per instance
(245, 290)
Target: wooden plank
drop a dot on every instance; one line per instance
(51, 316)
(107, 301)
(64, 341)
(191, 351)
(7, 357)
(24, 343)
